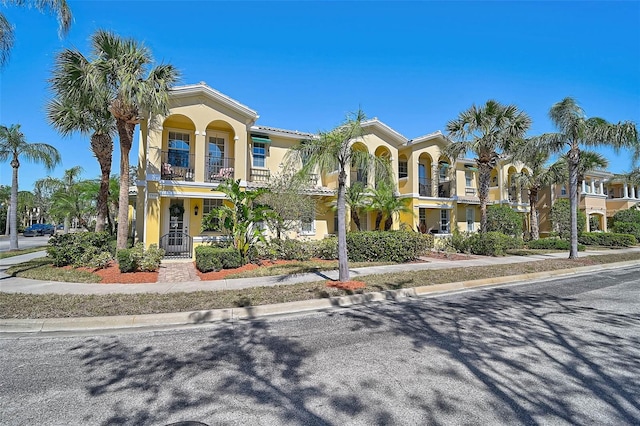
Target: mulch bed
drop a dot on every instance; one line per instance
(112, 275)
(346, 285)
(223, 273)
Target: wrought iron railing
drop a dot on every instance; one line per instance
(176, 244)
(424, 187)
(218, 169)
(177, 165)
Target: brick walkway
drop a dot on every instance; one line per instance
(177, 272)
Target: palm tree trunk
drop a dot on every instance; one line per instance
(355, 218)
(484, 177)
(533, 208)
(378, 220)
(13, 214)
(343, 260)
(102, 147)
(573, 159)
(125, 132)
(388, 222)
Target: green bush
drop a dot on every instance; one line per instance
(78, 249)
(292, 249)
(230, 258)
(326, 248)
(390, 246)
(504, 219)
(608, 239)
(552, 244)
(126, 260)
(560, 219)
(493, 243)
(627, 222)
(137, 258)
(207, 259)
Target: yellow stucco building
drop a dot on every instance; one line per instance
(208, 137)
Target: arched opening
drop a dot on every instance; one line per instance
(219, 161)
(359, 172)
(383, 171)
(513, 192)
(444, 177)
(425, 184)
(178, 148)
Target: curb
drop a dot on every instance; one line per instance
(179, 319)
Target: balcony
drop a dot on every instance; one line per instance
(359, 176)
(177, 165)
(471, 192)
(424, 187)
(260, 175)
(219, 169)
(444, 189)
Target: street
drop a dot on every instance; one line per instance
(557, 352)
(24, 242)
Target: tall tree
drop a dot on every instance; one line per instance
(65, 196)
(135, 91)
(83, 107)
(5, 198)
(539, 176)
(576, 130)
(358, 200)
(57, 7)
(486, 131)
(387, 205)
(14, 147)
(333, 151)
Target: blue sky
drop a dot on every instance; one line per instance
(304, 65)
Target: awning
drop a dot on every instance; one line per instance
(260, 139)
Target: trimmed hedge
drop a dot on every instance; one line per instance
(552, 244)
(389, 246)
(80, 248)
(608, 239)
(209, 258)
(493, 243)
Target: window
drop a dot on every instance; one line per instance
(207, 206)
(471, 218)
(443, 171)
(444, 221)
(468, 178)
(403, 169)
(178, 149)
(563, 190)
(422, 221)
(308, 223)
(259, 154)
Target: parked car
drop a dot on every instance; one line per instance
(39, 229)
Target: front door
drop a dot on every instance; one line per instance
(176, 241)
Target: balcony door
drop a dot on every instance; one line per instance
(218, 163)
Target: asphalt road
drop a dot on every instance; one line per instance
(24, 242)
(558, 352)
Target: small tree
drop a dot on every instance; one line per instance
(561, 219)
(239, 220)
(505, 220)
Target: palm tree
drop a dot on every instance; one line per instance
(539, 176)
(357, 199)
(486, 131)
(65, 200)
(76, 109)
(13, 146)
(58, 7)
(387, 205)
(332, 151)
(5, 197)
(134, 92)
(574, 130)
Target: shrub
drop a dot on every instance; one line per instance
(100, 261)
(78, 249)
(210, 258)
(504, 219)
(493, 243)
(627, 222)
(608, 239)
(137, 258)
(552, 244)
(292, 249)
(560, 219)
(326, 248)
(206, 259)
(392, 246)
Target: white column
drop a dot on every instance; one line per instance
(633, 192)
(601, 188)
(584, 187)
(626, 190)
(593, 186)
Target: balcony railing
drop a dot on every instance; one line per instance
(424, 187)
(359, 176)
(470, 191)
(177, 165)
(260, 175)
(444, 189)
(218, 169)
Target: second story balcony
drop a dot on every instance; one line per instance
(218, 169)
(177, 165)
(424, 187)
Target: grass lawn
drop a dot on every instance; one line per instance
(12, 253)
(53, 306)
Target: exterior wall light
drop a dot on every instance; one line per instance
(195, 210)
